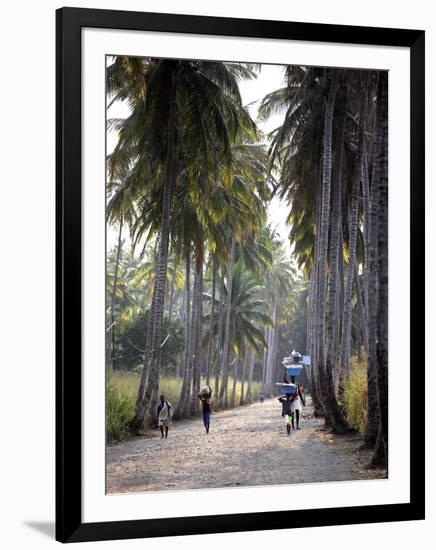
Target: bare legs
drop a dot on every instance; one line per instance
(288, 424)
(206, 421)
(162, 431)
(296, 416)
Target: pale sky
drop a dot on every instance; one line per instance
(252, 92)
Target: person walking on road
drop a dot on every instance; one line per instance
(286, 402)
(297, 405)
(164, 413)
(205, 397)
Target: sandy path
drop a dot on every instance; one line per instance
(246, 446)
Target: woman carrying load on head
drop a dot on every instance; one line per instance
(297, 405)
(205, 397)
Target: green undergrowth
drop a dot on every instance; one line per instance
(356, 395)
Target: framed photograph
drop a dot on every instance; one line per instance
(240, 298)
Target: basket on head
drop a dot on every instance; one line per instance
(293, 370)
(205, 391)
(287, 388)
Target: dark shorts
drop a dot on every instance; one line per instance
(206, 417)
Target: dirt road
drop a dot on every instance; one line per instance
(246, 446)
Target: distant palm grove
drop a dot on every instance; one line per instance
(200, 286)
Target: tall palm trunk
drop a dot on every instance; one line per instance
(171, 302)
(114, 288)
(340, 305)
(243, 376)
(141, 400)
(308, 325)
(185, 392)
(226, 353)
(179, 363)
(252, 359)
(372, 421)
(265, 357)
(191, 352)
(277, 372)
(270, 363)
(172, 284)
(309, 331)
(236, 361)
(353, 226)
(171, 165)
(218, 352)
(197, 329)
(334, 415)
(382, 273)
(366, 230)
(316, 388)
(209, 366)
(361, 314)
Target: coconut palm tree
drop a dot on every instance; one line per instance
(279, 279)
(335, 255)
(297, 147)
(213, 269)
(228, 294)
(334, 416)
(353, 232)
(373, 422)
(182, 407)
(246, 309)
(381, 450)
(251, 363)
(189, 110)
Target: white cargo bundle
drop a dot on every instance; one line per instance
(205, 391)
(293, 359)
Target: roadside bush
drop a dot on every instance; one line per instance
(356, 395)
(119, 410)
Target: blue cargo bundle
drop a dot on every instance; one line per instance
(288, 388)
(294, 370)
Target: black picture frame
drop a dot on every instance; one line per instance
(69, 22)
